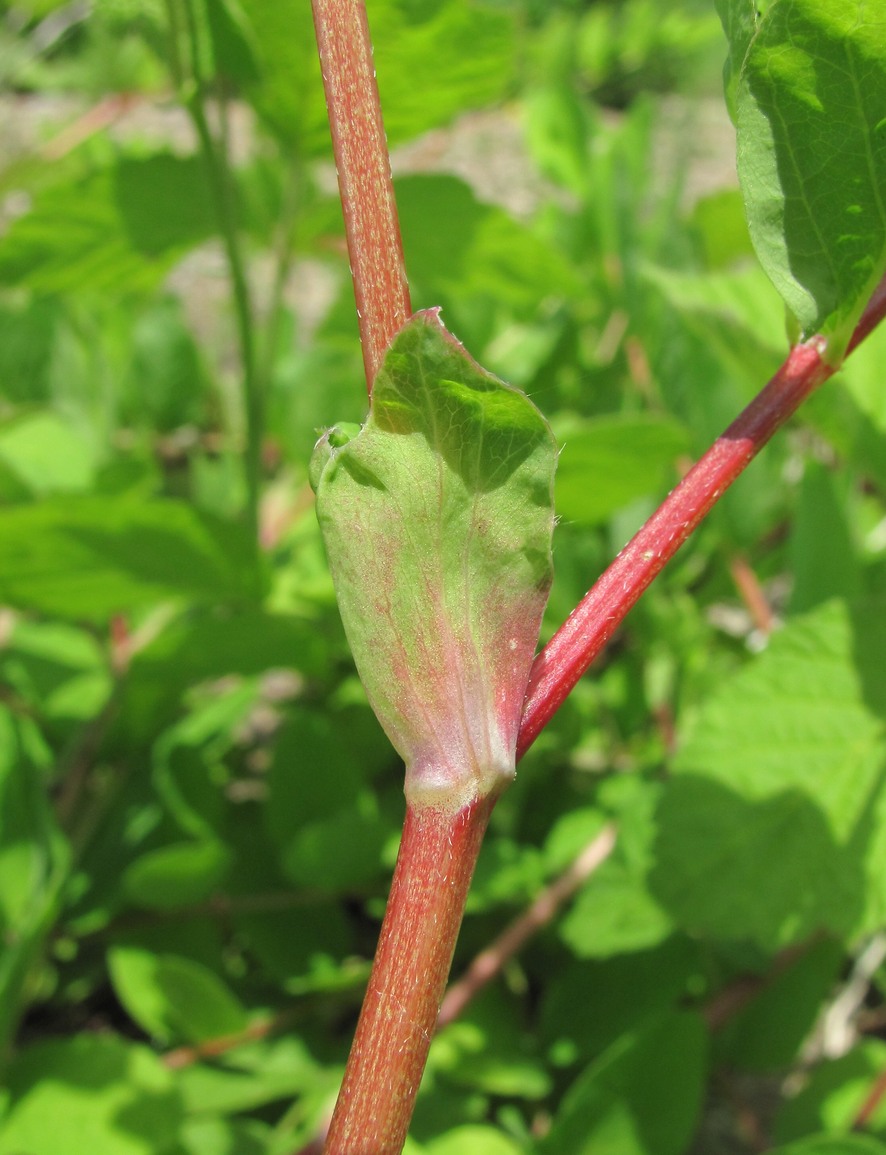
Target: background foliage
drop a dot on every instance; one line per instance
(199, 812)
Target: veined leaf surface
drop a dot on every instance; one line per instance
(808, 82)
(437, 519)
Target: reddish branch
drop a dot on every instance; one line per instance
(383, 304)
(592, 623)
(437, 854)
(364, 175)
(422, 920)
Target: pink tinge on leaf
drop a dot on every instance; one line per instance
(437, 520)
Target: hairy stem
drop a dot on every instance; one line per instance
(364, 176)
(422, 920)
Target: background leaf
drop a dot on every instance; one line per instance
(90, 558)
(810, 110)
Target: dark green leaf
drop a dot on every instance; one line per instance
(834, 1145)
(767, 1034)
(593, 1003)
(634, 1101)
(33, 866)
(177, 875)
(833, 1094)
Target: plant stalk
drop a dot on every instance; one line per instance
(601, 611)
(434, 867)
(218, 171)
(438, 850)
(364, 176)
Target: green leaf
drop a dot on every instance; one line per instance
(739, 19)
(763, 830)
(177, 875)
(118, 230)
(48, 453)
(209, 1135)
(88, 558)
(593, 1003)
(641, 1097)
(476, 261)
(265, 1072)
(60, 670)
(508, 873)
(609, 462)
(437, 520)
(92, 1093)
(616, 912)
(174, 999)
(233, 41)
(488, 1050)
(767, 1034)
(209, 646)
(473, 1139)
(735, 313)
(823, 554)
(463, 52)
(339, 853)
(811, 122)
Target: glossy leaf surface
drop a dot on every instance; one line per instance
(810, 107)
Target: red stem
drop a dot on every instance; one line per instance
(422, 921)
(438, 851)
(600, 612)
(364, 176)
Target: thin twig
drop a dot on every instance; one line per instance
(748, 585)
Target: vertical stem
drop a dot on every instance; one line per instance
(364, 176)
(215, 157)
(422, 920)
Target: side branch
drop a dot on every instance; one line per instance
(597, 616)
(364, 176)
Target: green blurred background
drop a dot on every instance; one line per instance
(198, 812)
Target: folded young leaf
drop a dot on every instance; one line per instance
(437, 518)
